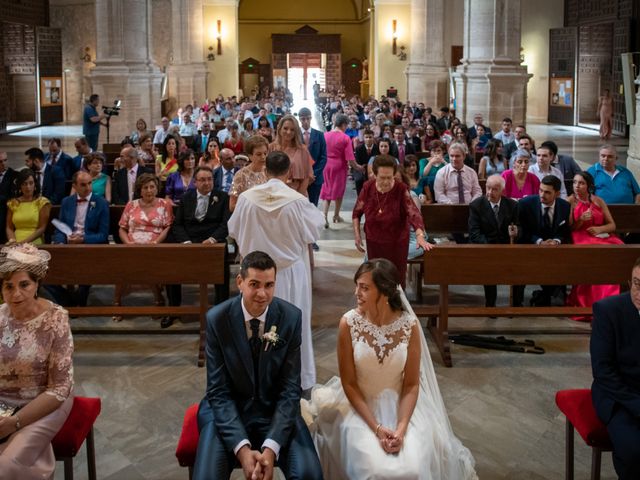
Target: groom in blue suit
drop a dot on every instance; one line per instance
(615, 360)
(87, 216)
(250, 415)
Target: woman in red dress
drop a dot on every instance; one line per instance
(591, 223)
(388, 210)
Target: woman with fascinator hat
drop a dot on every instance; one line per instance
(36, 371)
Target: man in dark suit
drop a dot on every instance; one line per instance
(250, 415)
(223, 175)
(87, 216)
(57, 158)
(544, 220)
(615, 360)
(493, 219)
(52, 180)
(201, 217)
(314, 140)
(6, 192)
(124, 180)
(363, 154)
(400, 148)
(201, 140)
(83, 149)
(478, 120)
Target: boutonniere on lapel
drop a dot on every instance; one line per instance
(214, 199)
(270, 338)
(92, 205)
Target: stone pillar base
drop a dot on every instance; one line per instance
(138, 86)
(493, 88)
(428, 84)
(364, 89)
(633, 153)
(187, 82)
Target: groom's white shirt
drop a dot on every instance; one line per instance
(268, 443)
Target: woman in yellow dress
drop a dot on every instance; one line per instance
(28, 213)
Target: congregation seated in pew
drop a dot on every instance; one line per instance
(86, 218)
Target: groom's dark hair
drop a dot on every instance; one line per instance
(257, 260)
(277, 163)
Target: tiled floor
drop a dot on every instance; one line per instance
(501, 404)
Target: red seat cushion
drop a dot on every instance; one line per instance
(188, 443)
(578, 407)
(77, 426)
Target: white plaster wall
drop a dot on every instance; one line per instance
(537, 18)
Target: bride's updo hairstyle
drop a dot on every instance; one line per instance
(385, 277)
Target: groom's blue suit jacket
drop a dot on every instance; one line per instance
(237, 406)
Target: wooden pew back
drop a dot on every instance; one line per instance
(135, 264)
(441, 218)
(452, 264)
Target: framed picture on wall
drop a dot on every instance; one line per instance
(561, 94)
(51, 92)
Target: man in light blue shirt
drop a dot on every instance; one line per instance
(506, 135)
(614, 183)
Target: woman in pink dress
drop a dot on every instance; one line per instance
(145, 220)
(519, 182)
(289, 140)
(36, 367)
(591, 223)
(605, 114)
(339, 156)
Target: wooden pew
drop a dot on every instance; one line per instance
(139, 264)
(448, 219)
(440, 218)
(516, 265)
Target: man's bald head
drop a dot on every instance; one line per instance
(227, 158)
(494, 187)
(130, 156)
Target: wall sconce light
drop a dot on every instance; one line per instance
(219, 36)
(86, 58)
(394, 36)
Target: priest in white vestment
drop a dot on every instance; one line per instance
(281, 222)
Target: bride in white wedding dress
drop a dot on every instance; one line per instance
(384, 418)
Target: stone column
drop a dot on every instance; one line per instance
(427, 72)
(187, 72)
(633, 153)
(491, 79)
(124, 69)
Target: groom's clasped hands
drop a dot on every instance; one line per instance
(256, 465)
(390, 441)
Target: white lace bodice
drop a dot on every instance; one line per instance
(379, 353)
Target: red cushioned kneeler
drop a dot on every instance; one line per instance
(188, 442)
(77, 428)
(578, 408)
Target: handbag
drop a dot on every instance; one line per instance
(7, 411)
